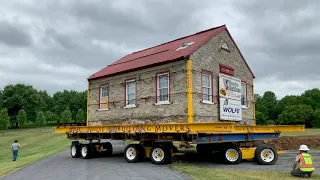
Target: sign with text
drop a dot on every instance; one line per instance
(229, 87)
(230, 109)
(230, 98)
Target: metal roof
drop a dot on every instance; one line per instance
(160, 54)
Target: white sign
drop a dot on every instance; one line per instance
(229, 87)
(230, 109)
(230, 98)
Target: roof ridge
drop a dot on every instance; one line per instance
(181, 38)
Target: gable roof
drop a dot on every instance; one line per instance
(163, 53)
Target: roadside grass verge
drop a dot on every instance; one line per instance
(307, 132)
(36, 143)
(205, 173)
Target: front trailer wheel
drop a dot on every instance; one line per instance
(133, 153)
(86, 151)
(159, 154)
(266, 154)
(232, 155)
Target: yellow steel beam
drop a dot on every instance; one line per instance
(88, 102)
(191, 128)
(189, 91)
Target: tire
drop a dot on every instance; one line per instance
(266, 154)
(75, 150)
(133, 153)
(231, 155)
(109, 148)
(86, 151)
(159, 154)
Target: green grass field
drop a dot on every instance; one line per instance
(36, 143)
(307, 132)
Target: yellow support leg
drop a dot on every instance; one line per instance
(189, 91)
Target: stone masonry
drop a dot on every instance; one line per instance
(146, 110)
(206, 58)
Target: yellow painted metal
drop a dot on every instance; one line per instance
(253, 104)
(189, 91)
(248, 153)
(191, 128)
(100, 148)
(147, 152)
(88, 102)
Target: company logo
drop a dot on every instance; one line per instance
(231, 86)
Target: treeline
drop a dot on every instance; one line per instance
(22, 104)
(290, 110)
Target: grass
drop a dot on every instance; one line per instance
(205, 173)
(36, 143)
(307, 132)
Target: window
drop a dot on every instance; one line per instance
(130, 93)
(206, 87)
(244, 94)
(104, 97)
(163, 88)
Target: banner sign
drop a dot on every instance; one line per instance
(230, 98)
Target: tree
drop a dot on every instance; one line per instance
(311, 97)
(22, 117)
(66, 116)
(4, 119)
(316, 120)
(297, 114)
(80, 116)
(260, 118)
(52, 117)
(40, 118)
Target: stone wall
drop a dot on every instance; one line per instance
(145, 111)
(208, 58)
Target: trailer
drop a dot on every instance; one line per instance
(231, 143)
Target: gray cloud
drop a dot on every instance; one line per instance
(67, 41)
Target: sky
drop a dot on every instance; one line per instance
(57, 44)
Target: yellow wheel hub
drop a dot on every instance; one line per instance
(232, 154)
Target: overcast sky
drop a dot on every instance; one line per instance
(56, 44)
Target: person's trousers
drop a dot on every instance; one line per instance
(15, 155)
(299, 173)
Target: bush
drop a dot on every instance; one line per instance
(40, 118)
(4, 119)
(22, 117)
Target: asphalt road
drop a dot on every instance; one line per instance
(61, 167)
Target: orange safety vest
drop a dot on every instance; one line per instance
(306, 162)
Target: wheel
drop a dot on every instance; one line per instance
(133, 153)
(86, 151)
(75, 150)
(266, 154)
(232, 155)
(159, 154)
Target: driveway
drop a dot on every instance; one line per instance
(61, 167)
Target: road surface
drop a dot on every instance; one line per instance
(61, 167)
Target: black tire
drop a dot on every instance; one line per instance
(270, 157)
(225, 155)
(75, 150)
(160, 150)
(133, 153)
(86, 151)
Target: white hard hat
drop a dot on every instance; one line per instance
(304, 148)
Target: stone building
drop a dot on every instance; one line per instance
(177, 81)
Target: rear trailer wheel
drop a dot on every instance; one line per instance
(133, 153)
(75, 151)
(86, 151)
(266, 154)
(159, 154)
(232, 155)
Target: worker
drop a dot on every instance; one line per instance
(306, 163)
(15, 148)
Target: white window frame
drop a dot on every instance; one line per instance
(204, 73)
(101, 93)
(134, 92)
(158, 102)
(245, 105)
